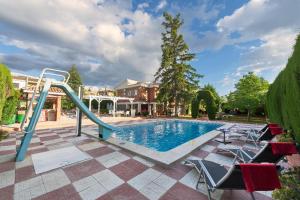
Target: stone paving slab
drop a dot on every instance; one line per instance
(112, 173)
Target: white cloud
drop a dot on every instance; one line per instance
(106, 38)
(273, 22)
(143, 5)
(161, 5)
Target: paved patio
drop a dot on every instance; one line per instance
(112, 173)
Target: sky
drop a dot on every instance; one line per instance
(111, 40)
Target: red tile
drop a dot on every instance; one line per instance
(65, 193)
(47, 138)
(35, 144)
(25, 173)
(8, 143)
(172, 172)
(6, 152)
(100, 151)
(180, 191)
(200, 153)
(39, 150)
(123, 192)
(241, 194)
(84, 169)
(7, 193)
(7, 166)
(213, 143)
(128, 169)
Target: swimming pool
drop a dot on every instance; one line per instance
(165, 135)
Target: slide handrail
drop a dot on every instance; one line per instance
(46, 71)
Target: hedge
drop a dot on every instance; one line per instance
(211, 106)
(283, 97)
(6, 86)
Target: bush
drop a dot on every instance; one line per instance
(195, 107)
(145, 113)
(10, 107)
(6, 86)
(211, 106)
(290, 185)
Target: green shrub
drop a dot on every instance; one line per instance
(211, 106)
(10, 107)
(6, 86)
(195, 107)
(290, 185)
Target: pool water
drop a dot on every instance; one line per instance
(164, 135)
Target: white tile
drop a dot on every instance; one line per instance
(208, 148)
(164, 181)
(7, 178)
(30, 183)
(144, 178)
(112, 159)
(144, 161)
(152, 191)
(53, 141)
(84, 183)
(191, 179)
(55, 180)
(35, 140)
(113, 147)
(37, 191)
(93, 192)
(24, 195)
(90, 146)
(220, 159)
(6, 148)
(108, 179)
(26, 162)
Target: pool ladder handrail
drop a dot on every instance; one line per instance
(46, 71)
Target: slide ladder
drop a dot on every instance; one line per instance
(104, 129)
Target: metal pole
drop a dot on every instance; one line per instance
(79, 114)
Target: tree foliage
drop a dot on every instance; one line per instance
(250, 93)
(283, 98)
(10, 106)
(214, 93)
(178, 79)
(210, 101)
(6, 86)
(74, 82)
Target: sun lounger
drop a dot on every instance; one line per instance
(271, 152)
(238, 177)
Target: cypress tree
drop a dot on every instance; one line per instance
(283, 102)
(178, 79)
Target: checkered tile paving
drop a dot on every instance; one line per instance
(112, 173)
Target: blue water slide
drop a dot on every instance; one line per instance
(104, 128)
(30, 129)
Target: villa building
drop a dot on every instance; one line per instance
(144, 94)
(52, 108)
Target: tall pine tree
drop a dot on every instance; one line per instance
(178, 79)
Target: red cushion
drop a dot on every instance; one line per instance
(283, 148)
(276, 130)
(260, 177)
